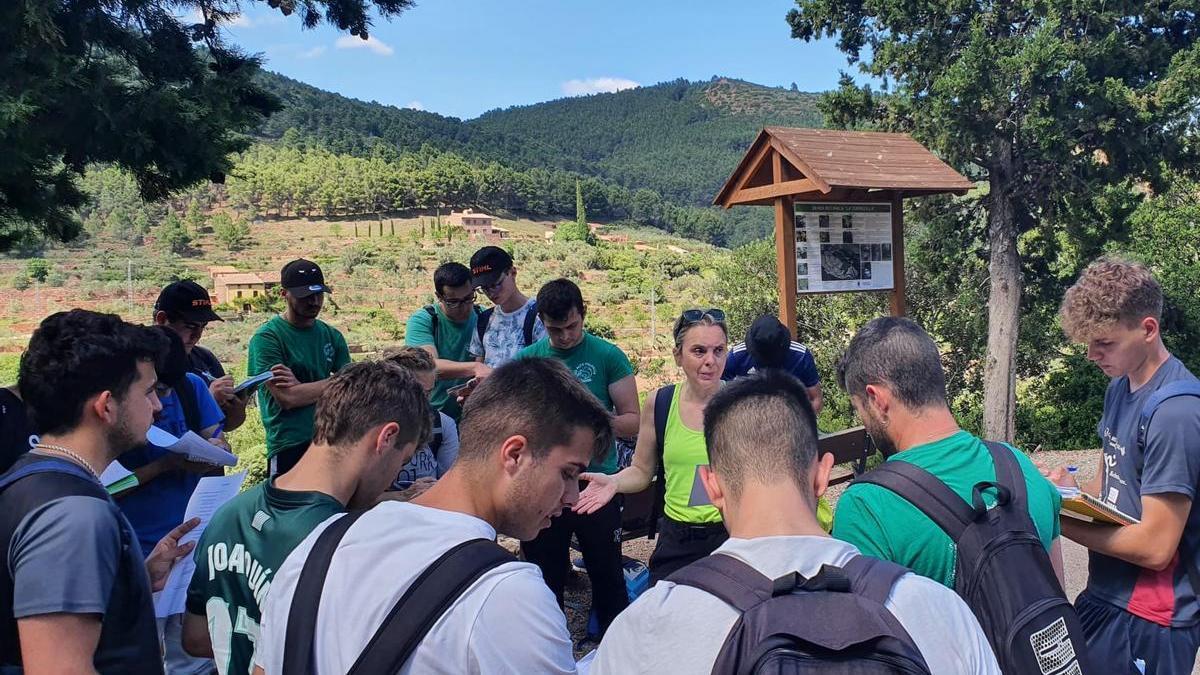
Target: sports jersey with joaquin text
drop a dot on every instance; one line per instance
(239, 552)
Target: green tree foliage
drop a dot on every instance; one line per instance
(172, 236)
(680, 139)
(1054, 105)
(290, 182)
(232, 234)
(37, 269)
(128, 82)
(195, 219)
(576, 230)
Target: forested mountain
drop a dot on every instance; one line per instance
(679, 139)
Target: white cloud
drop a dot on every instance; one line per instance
(597, 85)
(372, 43)
(241, 21)
(415, 105)
(312, 53)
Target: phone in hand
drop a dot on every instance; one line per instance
(462, 389)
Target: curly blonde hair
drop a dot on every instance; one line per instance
(1110, 291)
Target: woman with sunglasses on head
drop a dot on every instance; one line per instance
(690, 527)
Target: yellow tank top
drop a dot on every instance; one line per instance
(684, 451)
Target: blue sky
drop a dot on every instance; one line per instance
(464, 57)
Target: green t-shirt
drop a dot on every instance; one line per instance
(598, 364)
(453, 342)
(883, 525)
(246, 541)
(313, 354)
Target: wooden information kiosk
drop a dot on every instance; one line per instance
(839, 218)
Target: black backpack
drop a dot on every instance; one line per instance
(410, 619)
(662, 409)
(1002, 569)
(38, 482)
(834, 622)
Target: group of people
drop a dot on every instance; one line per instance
(371, 546)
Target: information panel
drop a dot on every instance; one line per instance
(843, 247)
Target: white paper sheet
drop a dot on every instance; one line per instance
(115, 472)
(193, 446)
(210, 494)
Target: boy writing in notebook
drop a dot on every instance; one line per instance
(1140, 609)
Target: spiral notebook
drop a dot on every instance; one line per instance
(1078, 503)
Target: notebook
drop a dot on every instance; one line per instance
(1078, 503)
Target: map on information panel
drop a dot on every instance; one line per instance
(843, 247)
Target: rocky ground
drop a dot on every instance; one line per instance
(1075, 557)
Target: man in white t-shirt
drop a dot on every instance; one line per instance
(765, 479)
(513, 322)
(526, 434)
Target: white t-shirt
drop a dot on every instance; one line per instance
(681, 629)
(505, 335)
(506, 622)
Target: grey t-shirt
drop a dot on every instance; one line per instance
(429, 463)
(69, 555)
(1169, 464)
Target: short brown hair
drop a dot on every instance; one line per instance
(538, 399)
(414, 359)
(1110, 291)
(761, 429)
(365, 395)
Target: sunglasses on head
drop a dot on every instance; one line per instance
(694, 315)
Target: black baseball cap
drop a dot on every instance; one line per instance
(301, 278)
(488, 265)
(187, 299)
(768, 342)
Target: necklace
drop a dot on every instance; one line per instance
(69, 453)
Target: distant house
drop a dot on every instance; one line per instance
(477, 225)
(236, 288)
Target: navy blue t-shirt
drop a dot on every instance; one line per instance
(157, 507)
(800, 363)
(1169, 464)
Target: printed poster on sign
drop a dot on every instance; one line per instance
(843, 247)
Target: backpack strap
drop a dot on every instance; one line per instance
(481, 321)
(1009, 474)
(662, 410)
(531, 317)
(433, 321)
(425, 601)
(435, 432)
(738, 584)
(1169, 391)
(306, 599)
(46, 466)
(873, 578)
(924, 491)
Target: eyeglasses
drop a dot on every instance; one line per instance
(492, 288)
(457, 302)
(696, 315)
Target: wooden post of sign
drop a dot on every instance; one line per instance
(898, 305)
(785, 251)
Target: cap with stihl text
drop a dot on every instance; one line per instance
(187, 300)
(301, 278)
(488, 266)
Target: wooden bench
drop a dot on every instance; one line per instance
(850, 449)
